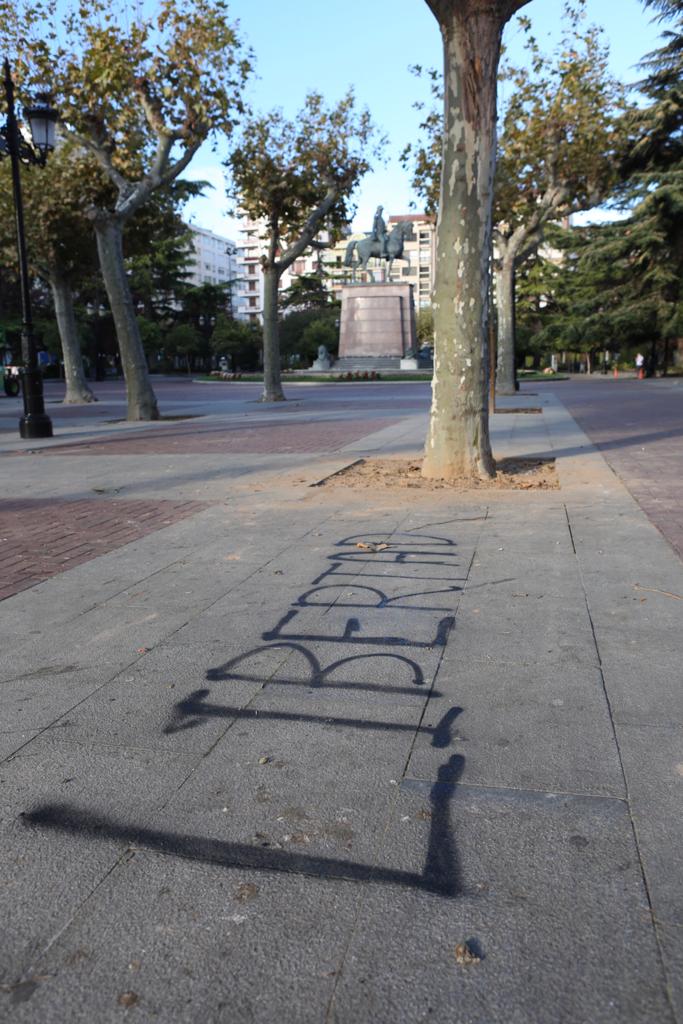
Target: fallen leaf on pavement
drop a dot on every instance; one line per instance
(128, 999)
(371, 547)
(245, 892)
(464, 955)
(263, 760)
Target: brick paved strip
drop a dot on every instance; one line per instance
(47, 536)
(256, 439)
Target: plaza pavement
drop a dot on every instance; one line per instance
(252, 772)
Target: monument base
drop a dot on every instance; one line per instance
(377, 321)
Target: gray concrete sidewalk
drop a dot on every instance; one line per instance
(255, 773)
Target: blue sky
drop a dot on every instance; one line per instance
(370, 44)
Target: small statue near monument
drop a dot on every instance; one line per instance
(324, 360)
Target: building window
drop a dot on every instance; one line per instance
(252, 301)
(424, 237)
(252, 268)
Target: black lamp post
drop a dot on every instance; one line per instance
(42, 119)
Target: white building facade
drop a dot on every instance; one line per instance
(214, 259)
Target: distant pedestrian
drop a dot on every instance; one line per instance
(640, 362)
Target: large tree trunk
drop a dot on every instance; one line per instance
(505, 302)
(142, 403)
(458, 440)
(272, 383)
(77, 389)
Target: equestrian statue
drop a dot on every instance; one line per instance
(378, 243)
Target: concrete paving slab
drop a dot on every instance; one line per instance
(13, 741)
(197, 941)
(45, 880)
(528, 729)
(48, 877)
(547, 891)
(654, 769)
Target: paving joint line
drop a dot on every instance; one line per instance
(57, 935)
(475, 786)
(634, 829)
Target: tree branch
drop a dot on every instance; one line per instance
(311, 227)
(157, 176)
(102, 153)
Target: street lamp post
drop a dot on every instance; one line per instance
(42, 118)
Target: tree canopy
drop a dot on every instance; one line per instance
(296, 179)
(141, 92)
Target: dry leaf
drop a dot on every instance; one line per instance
(245, 892)
(128, 999)
(371, 547)
(263, 760)
(464, 955)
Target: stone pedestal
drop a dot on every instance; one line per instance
(377, 321)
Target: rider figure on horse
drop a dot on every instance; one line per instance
(379, 232)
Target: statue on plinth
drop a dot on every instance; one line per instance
(384, 246)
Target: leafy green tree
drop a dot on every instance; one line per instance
(297, 178)
(293, 327)
(561, 145)
(307, 291)
(458, 441)
(424, 326)
(620, 283)
(141, 94)
(60, 241)
(159, 251)
(239, 340)
(182, 341)
(151, 335)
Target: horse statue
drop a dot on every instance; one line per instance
(367, 247)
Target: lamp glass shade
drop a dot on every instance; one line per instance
(42, 119)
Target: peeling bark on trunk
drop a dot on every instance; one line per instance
(458, 440)
(77, 389)
(142, 403)
(272, 382)
(505, 301)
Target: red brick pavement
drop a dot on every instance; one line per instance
(638, 427)
(256, 439)
(41, 537)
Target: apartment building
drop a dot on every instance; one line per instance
(214, 260)
(248, 294)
